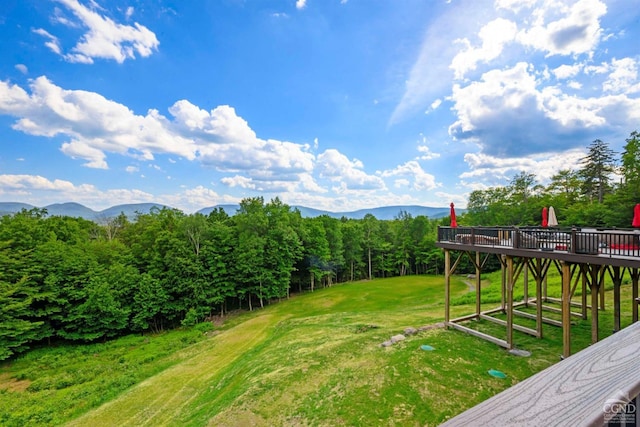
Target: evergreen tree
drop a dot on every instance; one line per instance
(596, 171)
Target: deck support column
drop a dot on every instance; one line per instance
(447, 285)
(566, 309)
(503, 270)
(526, 282)
(595, 290)
(584, 295)
(510, 280)
(635, 273)
(616, 276)
(602, 271)
(478, 281)
(539, 277)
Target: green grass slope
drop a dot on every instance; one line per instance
(314, 360)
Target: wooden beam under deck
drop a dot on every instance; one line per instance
(515, 326)
(487, 337)
(535, 317)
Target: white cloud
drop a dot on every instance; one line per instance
(494, 36)
(507, 113)
(434, 106)
(220, 138)
(104, 38)
(515, 5)
(487, 171)
(338, 168)
(53, 44)
(81, 149)
(238, 181)
(129, 12)
(567, 71)
(32, 182)
(301, 4)
(412, 171)
(225, 140)
(309, 184)
(603, 68)
(22, 68)
(93, 123)
(401, 183)
(132, 169)
(623, 77)
(561, 29)
(427, 154)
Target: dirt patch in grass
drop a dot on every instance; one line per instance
(11, 384)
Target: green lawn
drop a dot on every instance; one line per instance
(313, 360)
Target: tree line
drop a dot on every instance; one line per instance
(78, 280)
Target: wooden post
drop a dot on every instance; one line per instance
(566, 309)
(510, 280)
(584, 296)
(478, 280)
(503, 284)
(595, 290)
(447, 284)
(539, 269)
(634, 292)
(525, 277)
(601, 287)
(617, 282)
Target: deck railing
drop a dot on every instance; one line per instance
(590, 241)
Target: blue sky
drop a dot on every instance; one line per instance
(331, 104)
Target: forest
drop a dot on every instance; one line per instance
(70, 279)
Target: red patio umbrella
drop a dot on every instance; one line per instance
(454, 223)
(544, 217)
(636, 216)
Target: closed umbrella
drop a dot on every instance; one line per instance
(544, 217)
(636, 216)
(454, 223)
(553, 221)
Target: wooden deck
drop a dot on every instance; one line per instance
(582, 390)
(583, 257)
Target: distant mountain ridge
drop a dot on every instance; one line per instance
(131, 210)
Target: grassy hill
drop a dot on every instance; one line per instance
(315, 359)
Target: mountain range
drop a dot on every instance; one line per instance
(131, 210)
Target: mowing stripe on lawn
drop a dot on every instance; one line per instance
(160, 399)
